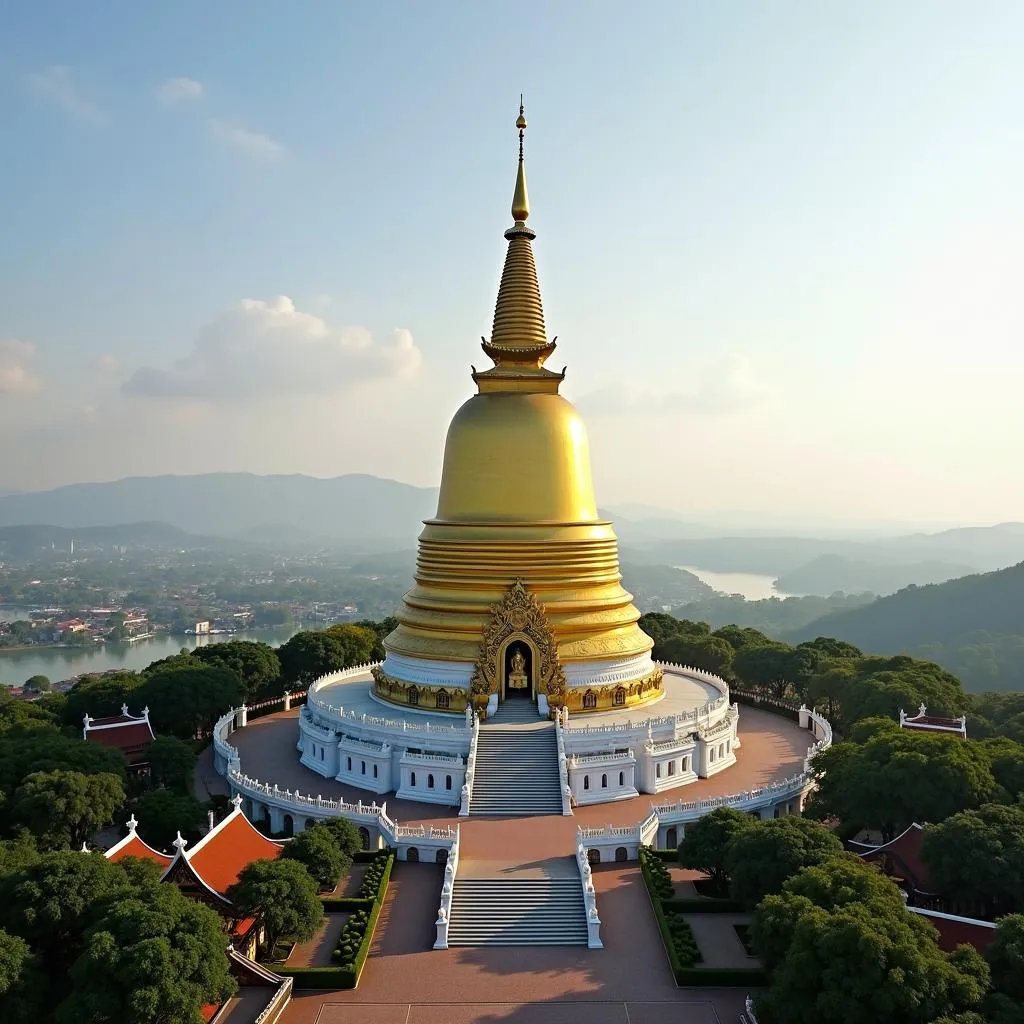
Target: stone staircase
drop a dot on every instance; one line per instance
(516, 765)
(517, 912)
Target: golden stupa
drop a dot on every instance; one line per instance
(517, 586)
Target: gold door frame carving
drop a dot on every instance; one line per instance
(518, 637)
(518, 613)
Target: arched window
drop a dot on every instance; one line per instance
(671, 767)
(375, 771)
(586, 782)
(594, 856)
(430, 782)
(604, 781)
(670, 838)
(364, 836)
(363, 771)
(444, 699)
(413, 855)
(447, 782)
(322, 749)
(441, 857)
(414, 695)
(622, 778)
(412, 778)
(712, 755)
(348, 764)
(620, 696)
(657, 770)
(590, 699)
(728, 746)
(621, 854)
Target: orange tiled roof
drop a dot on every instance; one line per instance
(133, 846)
(219, 858)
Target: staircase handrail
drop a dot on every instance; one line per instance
(563, 766)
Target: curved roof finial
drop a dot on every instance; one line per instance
(520, 200)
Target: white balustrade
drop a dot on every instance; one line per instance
(467, 787)
(444, 911)
(589, 899)
(563, 766)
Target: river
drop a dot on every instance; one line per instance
(748, 585)
(58, 663)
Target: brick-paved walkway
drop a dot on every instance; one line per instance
(406, 982)
(317, 951)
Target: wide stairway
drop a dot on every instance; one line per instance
(524, 911)
(516, 764)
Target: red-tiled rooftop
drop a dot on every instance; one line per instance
(133, 846)
(132, 737)
(219, 857)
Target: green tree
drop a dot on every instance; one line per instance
(171, 762)
(154, 957)
(357, 642)
(1006, 758)
(840, 945)
(186, 700)
(739, 638)
(25, 751)
(317, 850)
(64, 808)
(897, 777)
(283, 895)
(256, 664)
(52, 901)
(767, 668)
(977, 858)
(709, 653)
(21, 981)
(311, 654)
(38, 684)
(162, 814)
(759, 859)
(344, 833)
(1005, 956)
(101, 696)
(706, 841)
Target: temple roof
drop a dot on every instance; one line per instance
(134, 846)
(128, 733)
(221, 855)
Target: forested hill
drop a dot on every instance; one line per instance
(973, 626)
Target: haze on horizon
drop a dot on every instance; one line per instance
(779, 244)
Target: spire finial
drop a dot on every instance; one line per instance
(520, 200)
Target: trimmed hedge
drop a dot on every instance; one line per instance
(332, 904)
(722, 977)
(365, 856)
(704, 905)
(363, 921)
(330, 978)
(668, 854)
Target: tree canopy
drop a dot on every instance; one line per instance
(840, 945)
(706, 841)
(317, 850)
(63, 809)
(171, 762)
(760, 858)
(162, 813)
(256, 665)
(283, 895)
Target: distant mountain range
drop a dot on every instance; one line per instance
(828, 574)
(241, 505)
(379, 514)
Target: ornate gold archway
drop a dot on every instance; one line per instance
(518, 612)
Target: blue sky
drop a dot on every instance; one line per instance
(779, 243)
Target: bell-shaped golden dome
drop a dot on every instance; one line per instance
(517, 507)
(516, 458)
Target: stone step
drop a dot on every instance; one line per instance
(517, 912)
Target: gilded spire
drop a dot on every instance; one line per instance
(520, 199)
(518, 336)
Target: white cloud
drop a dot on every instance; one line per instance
(261, 350)
(58, 85)
(105, 364)
(179, 90)
(15, 379)
(726, 385)
(254, 143)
